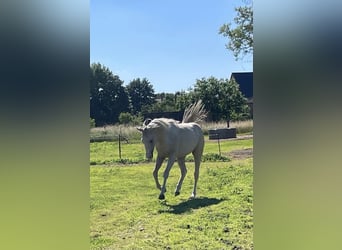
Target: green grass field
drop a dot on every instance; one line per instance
(134, 152)
(125, 212)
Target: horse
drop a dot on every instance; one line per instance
(175, 140)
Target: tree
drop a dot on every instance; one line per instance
(208, 90)
(165, 102)
(184, 99)
(241, 35)
(222, 98)
(141, 93)
(108, 97)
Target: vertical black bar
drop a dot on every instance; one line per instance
(218, 142)
(120, 143)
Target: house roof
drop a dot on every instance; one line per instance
(245, 81)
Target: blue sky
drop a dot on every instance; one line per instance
(171, 43)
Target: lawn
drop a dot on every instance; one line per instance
(125, 212)
(107, 152)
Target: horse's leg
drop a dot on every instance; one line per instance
(197, 153)
(181, 163)
(196, 175)
(166, 175)
(159, 162)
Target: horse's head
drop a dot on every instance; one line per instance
(148, 138)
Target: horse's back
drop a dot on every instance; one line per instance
(190, 137)
(178, 138)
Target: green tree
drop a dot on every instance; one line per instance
(184, 99)
(108, 97)
(141, 93)
(165, 102)
(222, 98)
(240, 35)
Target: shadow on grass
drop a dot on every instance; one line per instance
(188, 205)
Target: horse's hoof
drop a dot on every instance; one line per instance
(177, 193)
(161, 197)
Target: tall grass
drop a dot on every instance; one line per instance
(130, 133)
(242, 127)
(112, 132)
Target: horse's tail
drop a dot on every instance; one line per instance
(195, 113)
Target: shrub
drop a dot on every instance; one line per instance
(92, 123)
(125, 118)
(129, 119)
(209, 157)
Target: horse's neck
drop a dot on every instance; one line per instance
(163, 140)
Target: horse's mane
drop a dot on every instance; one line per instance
(163, 122)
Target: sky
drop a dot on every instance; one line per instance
(171, 43)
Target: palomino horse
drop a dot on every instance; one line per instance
(175, 140)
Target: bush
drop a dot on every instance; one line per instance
(210, 157)
(125, 118)
(92, 123)
(129, 119)
(137, 120)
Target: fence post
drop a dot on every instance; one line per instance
(120, 143)
(218, 142)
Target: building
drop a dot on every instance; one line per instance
(245, 82)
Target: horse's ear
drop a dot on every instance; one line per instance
(140, 129)
(147, 121)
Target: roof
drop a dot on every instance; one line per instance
(245, 81)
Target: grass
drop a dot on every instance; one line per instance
(107, 152)
(125, 212)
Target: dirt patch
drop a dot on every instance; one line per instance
(241, 153)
